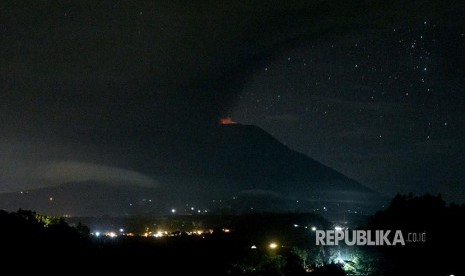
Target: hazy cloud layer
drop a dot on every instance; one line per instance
(66, 171)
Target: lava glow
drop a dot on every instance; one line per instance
(227, 121)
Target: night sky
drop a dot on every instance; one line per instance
(373, 89)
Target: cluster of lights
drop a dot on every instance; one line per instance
(106, 234)
(157, 234)
(313, 228)
(272, 245)
(162, 233)
(192, 209)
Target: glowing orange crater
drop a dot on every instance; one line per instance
(227, 121)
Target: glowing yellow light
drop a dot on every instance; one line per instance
(273, 245)
(226, 230)
(158, 234)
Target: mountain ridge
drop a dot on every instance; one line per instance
(229, 161)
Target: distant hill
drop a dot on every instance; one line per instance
(84, 199)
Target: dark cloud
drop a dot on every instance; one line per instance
(78, 66)
(84, 65)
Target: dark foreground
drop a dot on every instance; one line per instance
(41, 242)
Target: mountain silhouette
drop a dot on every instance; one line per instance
(233, 167)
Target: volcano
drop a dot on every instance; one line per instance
(231, 167)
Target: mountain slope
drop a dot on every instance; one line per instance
(229, 167)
